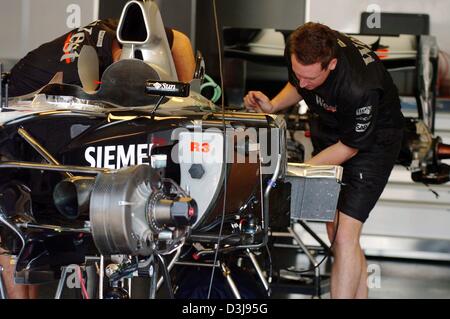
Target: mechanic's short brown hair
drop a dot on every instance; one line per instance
(312, 43)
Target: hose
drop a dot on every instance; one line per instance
(217, 92)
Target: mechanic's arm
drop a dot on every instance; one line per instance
(358, 126)
(183, 56)
(116, 50)
(256, 100)
(335, 154)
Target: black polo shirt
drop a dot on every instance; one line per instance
(357, 99)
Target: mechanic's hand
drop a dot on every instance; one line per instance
(258, 101)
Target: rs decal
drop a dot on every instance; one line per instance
(197, 147)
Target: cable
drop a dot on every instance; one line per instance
(216, 23)
(166, 276)
(5, 220)
(158, 103)
(269, 255)
(216, 88)
(82, 283)
(327, 254)
(216, 222)
(173, 246)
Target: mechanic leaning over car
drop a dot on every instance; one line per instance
(39, 66)
(357, 123)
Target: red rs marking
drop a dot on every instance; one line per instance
(197, 147)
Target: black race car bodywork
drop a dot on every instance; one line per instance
(46, 231)
(138, 167)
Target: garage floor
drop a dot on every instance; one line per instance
(412, 279)
(389, 279)
(402, 279)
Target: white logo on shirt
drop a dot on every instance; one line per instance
(321, 102)
(101, 35)
(364, 118)
(74, 41)
(361, 127)
(364, 110)
(364, 50)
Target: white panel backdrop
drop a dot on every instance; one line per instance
(26, 24)
(344, 15)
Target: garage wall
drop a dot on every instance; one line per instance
(26, 24)
(345, 16)
(179, 14)
(282, 14)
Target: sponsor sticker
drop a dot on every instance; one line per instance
(364, 110)
(361, 127)
(101, 36)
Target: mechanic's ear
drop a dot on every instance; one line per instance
(332, 64)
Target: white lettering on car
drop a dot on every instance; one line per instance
(118, 156)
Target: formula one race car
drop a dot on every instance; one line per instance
(135, 170)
